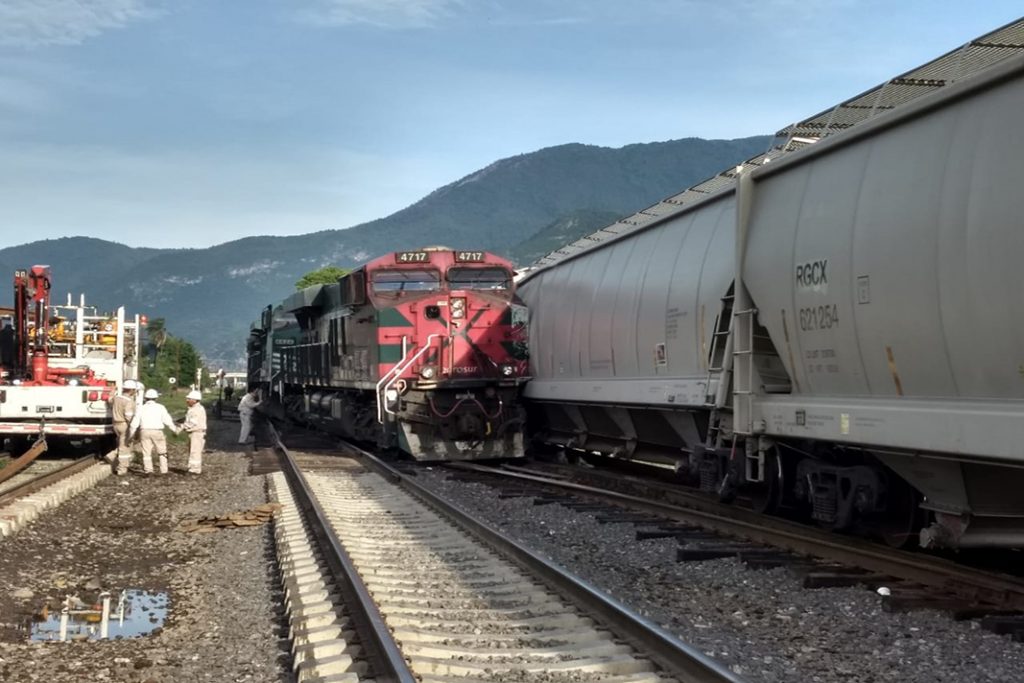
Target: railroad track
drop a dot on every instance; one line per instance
(29, 486)
(434, 595)
(710, 530)
(38, 475)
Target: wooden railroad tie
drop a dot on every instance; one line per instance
(253, 517)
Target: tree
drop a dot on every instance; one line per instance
(168, 356)
(327, 275)
(156, 331)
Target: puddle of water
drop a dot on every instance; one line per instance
(130, 614)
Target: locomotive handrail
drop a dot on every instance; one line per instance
(394, 373)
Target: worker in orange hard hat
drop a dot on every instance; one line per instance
(195, 425)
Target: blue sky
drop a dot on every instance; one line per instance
(184, 123)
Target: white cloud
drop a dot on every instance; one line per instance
(26, 23)
(381, 13)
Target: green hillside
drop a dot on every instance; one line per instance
(560, 232)
(521, 206)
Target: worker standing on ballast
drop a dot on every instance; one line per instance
(150, 420)
(123, 408)
(246, 407)
(195, 425)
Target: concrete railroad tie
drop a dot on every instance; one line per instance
(319, 627)
(22, 511)
(457, 608)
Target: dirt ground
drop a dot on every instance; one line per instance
(224, 621)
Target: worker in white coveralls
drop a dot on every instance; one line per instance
(195, 425)
(246, 407)
(150, 420)
(123, 408)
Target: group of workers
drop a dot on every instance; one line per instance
(147, 422)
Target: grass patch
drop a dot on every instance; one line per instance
(174, 401)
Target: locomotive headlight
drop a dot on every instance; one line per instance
(458, 307)
(507, 370)
(391, 396)
(428, 372)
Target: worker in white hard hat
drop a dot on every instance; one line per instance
(246, 407)
(123, 409)
(150, 420)
(195, 425)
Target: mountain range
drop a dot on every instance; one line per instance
(521, 207)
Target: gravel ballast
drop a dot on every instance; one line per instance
(762, 624)
(222, 624)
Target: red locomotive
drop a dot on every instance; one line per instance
(424, 350)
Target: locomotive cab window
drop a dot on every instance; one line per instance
(397, 281)
(479, 278)
(284, 320)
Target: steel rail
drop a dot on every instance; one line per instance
(29, 487)
(677, 658)
(973, 584)
(24, 460)
(386, 660)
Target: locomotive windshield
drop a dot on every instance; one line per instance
(394, 281)
(479, 278)
(283, 320)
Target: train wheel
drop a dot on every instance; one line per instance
(900, 524)
(766, 496)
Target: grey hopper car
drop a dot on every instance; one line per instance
(849, 343)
